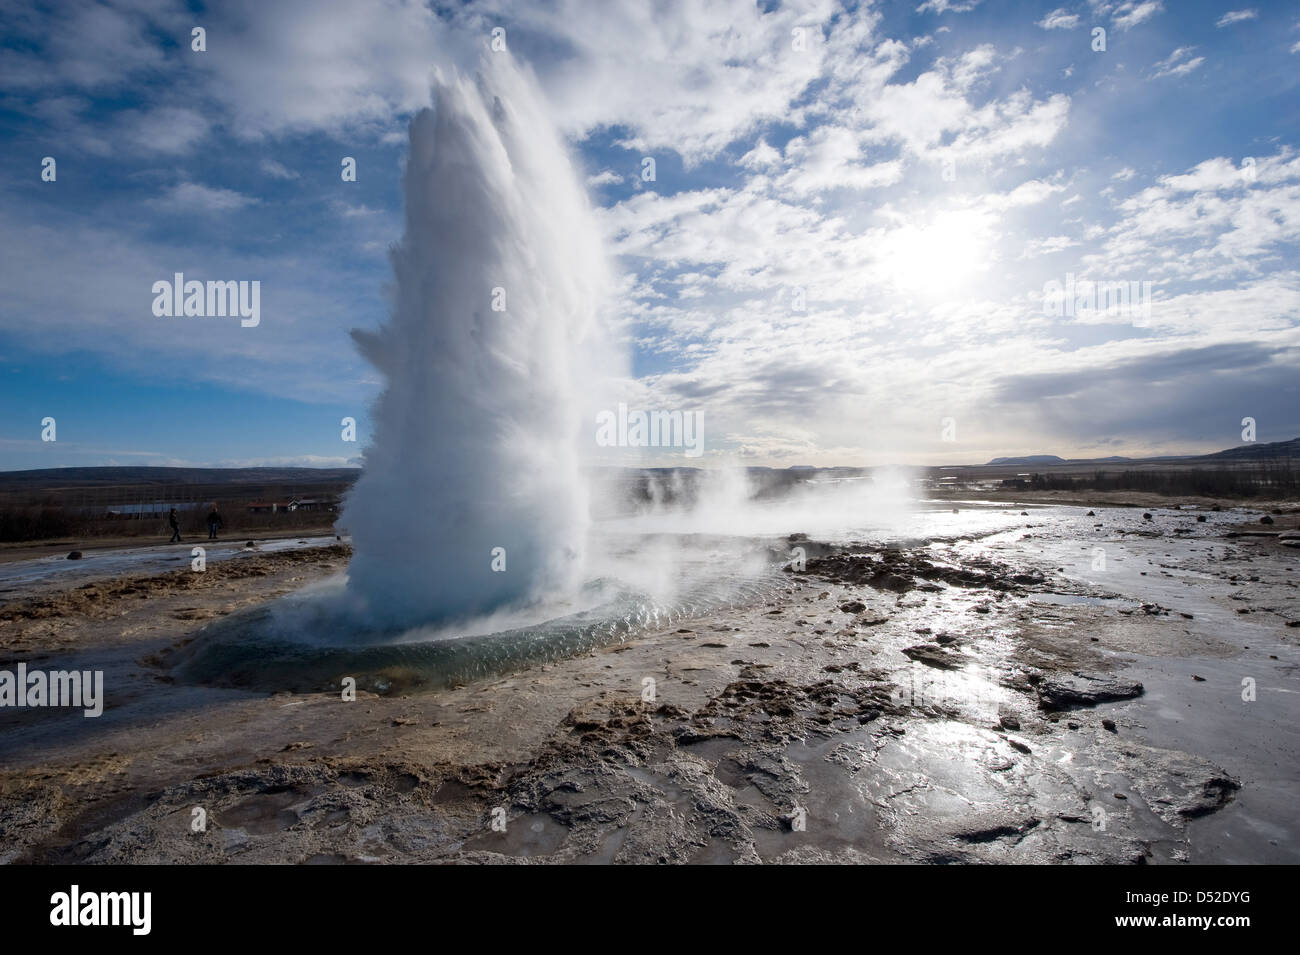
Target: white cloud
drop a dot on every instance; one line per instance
(1047, 245)
(300, 350)
(1129, 15)
(91, 46)
(682, 76)
(831, 157)
(1060, 19)
(1235, 16)
(301, 66)
(276, 170)
(762, 156)
(945, 6)
(1179, 63)
(167, 130)
(920, 292)
(191, 196)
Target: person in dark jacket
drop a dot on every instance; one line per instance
(175, 523)
(214, 523)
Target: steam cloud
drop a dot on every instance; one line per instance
(475, 434)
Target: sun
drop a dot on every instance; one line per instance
(941, 256)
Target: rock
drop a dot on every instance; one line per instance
(1176, 786)
(1146, 517)
(933, 656)
(853, 606)
(250, 543)
(74, 555)
(1018, 746)
(1109, 726)
(1198, 679)
(1009, 723)
(1091, 514)
(1200, 518)
(867, 620)
(1083, 689)
(1266, 519)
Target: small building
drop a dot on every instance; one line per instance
(313, 504)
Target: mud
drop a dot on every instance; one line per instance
(955, 701)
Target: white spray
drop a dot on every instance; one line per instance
(499, 280)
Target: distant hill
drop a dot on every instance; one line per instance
(1029, 459)
(1271, 451)
(1053, 459)
(118, 476)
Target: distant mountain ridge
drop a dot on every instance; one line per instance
(1031, 459)
(91, 476)
(1270, 451)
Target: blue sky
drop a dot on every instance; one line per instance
(916, 173)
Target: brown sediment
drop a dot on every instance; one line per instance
(799, 736)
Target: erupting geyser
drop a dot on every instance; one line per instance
(499, 278)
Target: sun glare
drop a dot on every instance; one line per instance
(941, 256)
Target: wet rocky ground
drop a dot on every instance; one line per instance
(1012, 696)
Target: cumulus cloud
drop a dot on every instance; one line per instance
(847, 240)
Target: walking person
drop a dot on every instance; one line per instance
(214, 523)
(175, 523)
